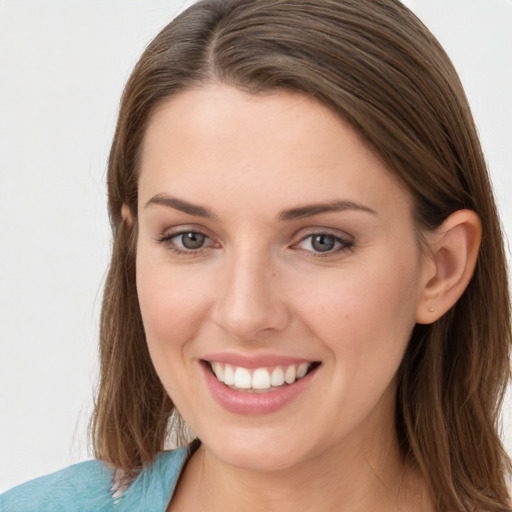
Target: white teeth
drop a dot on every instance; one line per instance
(302, 370)
(219, 371)
(260, 378)
(229, 375)
(290, 374)
(242, 378)
(277, 378)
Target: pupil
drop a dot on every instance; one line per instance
(192, 240)
(323, 243)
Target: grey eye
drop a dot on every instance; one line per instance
(192, 240)
(323, 243)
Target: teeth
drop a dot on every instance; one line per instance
(229, 375)
(302, 370)
(290, 375)
(243, 378)
(259, 378)
(277, 378)
(218, 370)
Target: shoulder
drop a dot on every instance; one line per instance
(88, 486)
(153, 487)
(82, 486)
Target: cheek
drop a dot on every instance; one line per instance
(170, 302)
(365, 315)
(171, 305)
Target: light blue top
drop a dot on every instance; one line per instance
(87, 487)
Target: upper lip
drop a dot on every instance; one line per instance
(254, 361)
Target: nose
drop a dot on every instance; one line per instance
(250, 304)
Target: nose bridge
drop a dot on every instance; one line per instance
(250, 301)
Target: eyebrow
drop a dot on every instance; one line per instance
(317, 209)
(181, 205)
(286, 215)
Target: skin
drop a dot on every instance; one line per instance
(257, 285)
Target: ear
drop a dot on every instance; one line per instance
(452, 259)
(127, 215)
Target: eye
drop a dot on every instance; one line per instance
(324, 243)
(187, 243)
(191, 240)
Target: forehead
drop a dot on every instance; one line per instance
(219, 144)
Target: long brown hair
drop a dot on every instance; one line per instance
(377, 66)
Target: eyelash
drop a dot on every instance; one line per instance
(343, 244)
(168, 240)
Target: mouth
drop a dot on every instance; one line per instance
(259, 380)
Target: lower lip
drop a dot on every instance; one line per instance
(240, 402)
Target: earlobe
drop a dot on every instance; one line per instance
(454, 250)
(126, 215)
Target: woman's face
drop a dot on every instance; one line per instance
(271, 243)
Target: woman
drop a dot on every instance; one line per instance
(304, 241)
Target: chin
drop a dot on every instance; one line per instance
(257, 453)
(258, 459)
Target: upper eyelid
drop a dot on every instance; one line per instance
(184, 228)
(344, 241)
(316, 230)
(327, 233)
(176, 234)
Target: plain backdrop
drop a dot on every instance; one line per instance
(63, 64)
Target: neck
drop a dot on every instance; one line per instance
(370, 475)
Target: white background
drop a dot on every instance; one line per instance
(63, 64)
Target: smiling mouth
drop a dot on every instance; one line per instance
(260, 380)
